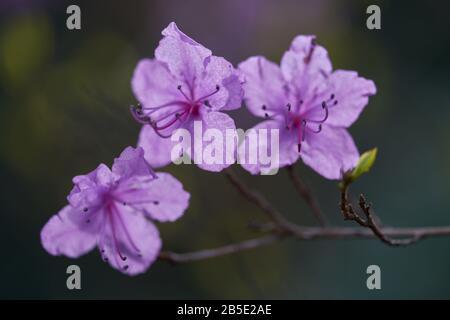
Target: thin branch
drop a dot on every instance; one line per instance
(307, 233)
(259, 200)
(369, 222)
(306, 194)
(280, 228)
(310, 233)
(220, 251)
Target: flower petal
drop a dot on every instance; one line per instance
(233, 84)
(153, 84)
(130, 163)
(85, 193)
(287, 148)
(129, 242)
(264, 86)
(67, 234)
(162, 199)
(183, 55)
(157, 149)
(352, 93)
(214, 125)
(305, 65)
(219, 73)
(330, 152)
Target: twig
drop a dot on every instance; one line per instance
(282, 225)
(220, 251)
(369, 222)
(257, 199)
(307, 233)
(280, 228)
(306, 194)
(311, 233)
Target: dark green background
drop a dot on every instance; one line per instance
(64, 99)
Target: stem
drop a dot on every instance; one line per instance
(306, 233)
(369, 222)
(281, 228)
(306, 194)
(257, 199)
(310, 233)
(217, 252)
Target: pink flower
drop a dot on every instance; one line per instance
(183, 84)
(113, 210)
(311, 105)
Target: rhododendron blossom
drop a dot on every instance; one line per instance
(113, 210)
(310, 104)
(183, 84)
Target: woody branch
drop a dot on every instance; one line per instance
(280, 228)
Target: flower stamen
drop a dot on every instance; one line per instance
(207, 95)
(180, 88)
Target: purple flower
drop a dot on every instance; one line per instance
(183, 84)
(310, 104)
(113, 209)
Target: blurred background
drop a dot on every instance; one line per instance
(64, 98)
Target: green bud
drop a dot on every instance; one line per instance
(365, 162)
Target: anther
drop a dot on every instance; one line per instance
(124, 258)
(138, 115)
(182, 92)
(264, 107)
(208, 95)
(85, 209)
(125, 267)
(299, 147)
(289, 107)
(266, 115)
(324, 104)
(319, 128)
(156, 202)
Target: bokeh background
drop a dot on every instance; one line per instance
(64, 99)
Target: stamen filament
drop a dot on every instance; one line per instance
(325, 107)
(182, 92)
(170, 123)
(113, 231)
(127, 234)
(208, 95)
(138, 116)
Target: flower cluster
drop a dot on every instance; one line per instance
(310, 104)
